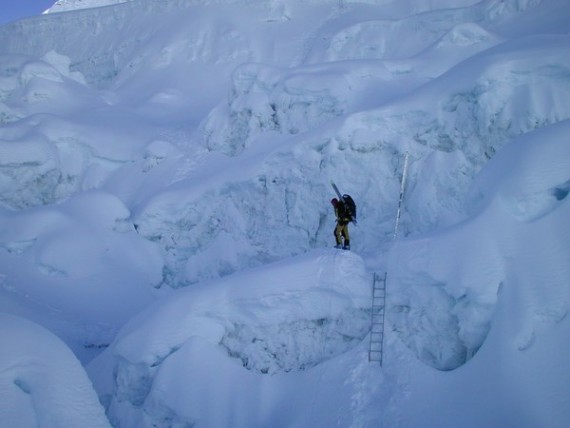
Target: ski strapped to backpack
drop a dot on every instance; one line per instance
(347, 201)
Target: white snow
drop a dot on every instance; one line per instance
(165, 224)
(70, 5)
(42, 382)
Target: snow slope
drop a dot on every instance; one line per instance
(284, 318)
(42, 382)
(502, 300)
(165, 178)
(514, 262)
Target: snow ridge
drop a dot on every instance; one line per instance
(177, 155)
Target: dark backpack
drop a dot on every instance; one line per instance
(349, 205)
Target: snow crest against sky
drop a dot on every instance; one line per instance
(166, 230)
(17, 10)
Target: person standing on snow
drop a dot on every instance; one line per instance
(343, 217)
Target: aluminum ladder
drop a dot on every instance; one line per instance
(376, 348)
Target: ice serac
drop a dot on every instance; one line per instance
(443, 311)
(248, 329)
(184, 149)
(269, 102)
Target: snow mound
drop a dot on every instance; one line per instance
(76, 264)
(285, 317)
(481, 104)
(317, 115)
(528, 194)
(413, 34)
(474, 110)
(41, 381)
(444, 311)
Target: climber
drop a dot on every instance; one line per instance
(343, 217)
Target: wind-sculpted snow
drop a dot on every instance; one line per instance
(218, 230)
(127, 39)
(42, 383)
(287, 317)
(73, 266)
(395, 38)
(444, 311)
(53, 144)
(184, 150)
(478, 109)
(529, 193)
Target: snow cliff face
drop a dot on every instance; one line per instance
(284, 318)
(349, 98)
(275, 104)
(152, 146)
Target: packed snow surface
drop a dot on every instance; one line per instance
(42, 382)
(165, 224)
